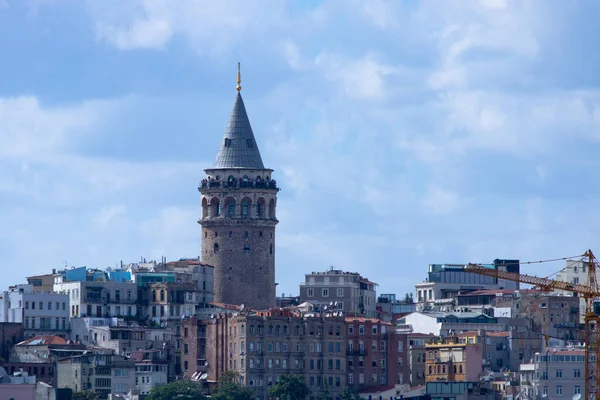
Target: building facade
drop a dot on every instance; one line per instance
(99, 371)
(555, 374)
(41, 313)
(346, 291)
(377, 356)
(239, 199)
(454, 360)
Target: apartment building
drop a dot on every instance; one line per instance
(41, 313)
(100, 298)
(11, 333)
(151, 370)
(346, 291)
(42, 283)
(416, 356)
(100, 371)
(37, 356)
(454, 360)
(193, 355)
(555, 374)
(377, 355)
(446, 281)
(262, 346)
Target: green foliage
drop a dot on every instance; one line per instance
(180, 390)
(408, 298)
(290, 387)
(229, 389)
(86, 395)
(348, 395)
(324, 393)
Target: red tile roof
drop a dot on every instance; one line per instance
(498, 334)
(45, 340)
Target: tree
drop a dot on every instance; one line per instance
(290, 387)
(86, 395)
(180, 390)
(348, 395)
(324, 393)
(229, 389)
(408, 298)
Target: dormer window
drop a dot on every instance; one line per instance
(227, 142)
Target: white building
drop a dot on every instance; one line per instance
(575, 272)
(99, 298)
(41, 313)
(151, 370)
(555, 374)
(444, 324)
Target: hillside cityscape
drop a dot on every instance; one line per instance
(128, 332)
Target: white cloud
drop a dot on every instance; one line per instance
(142, 34)
(28, 130)
(108, 215)
(441, 201)
(361, 78)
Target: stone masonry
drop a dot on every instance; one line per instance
(238, 220)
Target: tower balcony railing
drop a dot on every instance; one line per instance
(235, 183)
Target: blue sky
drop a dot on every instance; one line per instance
(403, 133)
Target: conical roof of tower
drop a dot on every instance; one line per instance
(239, 148)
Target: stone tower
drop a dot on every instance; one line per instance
(239, 198)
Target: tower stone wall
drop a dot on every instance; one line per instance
(239, 200)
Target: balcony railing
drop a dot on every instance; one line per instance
(234, 183)
(356, 352)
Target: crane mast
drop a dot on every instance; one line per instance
(589, 292)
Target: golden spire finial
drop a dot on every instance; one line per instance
(239, 79)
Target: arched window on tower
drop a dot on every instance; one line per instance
(245, 209)
(162, 295)
(216, 248)
(246, 235)
(230, 234)
(247, 249)
(270, 249)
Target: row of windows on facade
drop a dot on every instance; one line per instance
(559, 374)
(231, 234)
(318, 381)
(95, 295)
(118, 311)
(246, 248)
(162, 294)
(560, 391)
(441, 369)
(45, 323)
(161, 311)
(276, 330)
(40, 305)
(245, 207)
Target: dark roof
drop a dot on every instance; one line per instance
(239, 148)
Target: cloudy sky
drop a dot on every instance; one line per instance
(403, 133)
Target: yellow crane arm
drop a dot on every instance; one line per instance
(545, 283)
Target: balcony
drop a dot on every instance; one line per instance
(356, 352)
(233, 183)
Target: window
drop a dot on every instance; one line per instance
(49, 305)
(351, 329)
(374, 329)
(361, 329)
(231, 209)
(244, 208)
(216, 248)
(340, 292)
(559, 389)
(186, 348)
(249, 143)
(577, 373)
(325, 292)
(247, 249)
(400, 347)
(185, 365)
(227, 142)
(310, 293)
(559, 373)
(577, 389)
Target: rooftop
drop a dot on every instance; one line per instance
(45, 340)
(239, 148)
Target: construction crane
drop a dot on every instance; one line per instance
(589, 292)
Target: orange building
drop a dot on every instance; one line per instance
(454, 360)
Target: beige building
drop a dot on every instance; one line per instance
(264, 346)
(345, 291)
(555, 374)
(99, 371)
